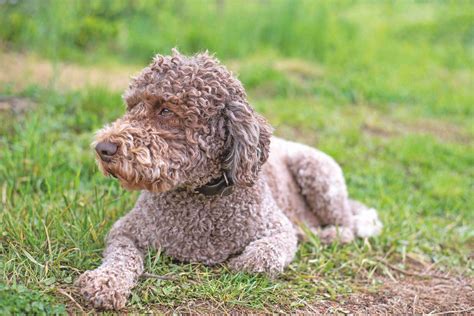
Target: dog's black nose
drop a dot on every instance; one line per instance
(106, 150)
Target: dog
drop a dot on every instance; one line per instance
(216, 186)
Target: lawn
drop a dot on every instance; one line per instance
(387, 89)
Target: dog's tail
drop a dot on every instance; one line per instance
(366, 220)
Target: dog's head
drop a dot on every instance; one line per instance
(187, 122)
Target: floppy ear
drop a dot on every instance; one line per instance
(248, 142)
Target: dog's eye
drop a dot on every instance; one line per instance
(165, 112)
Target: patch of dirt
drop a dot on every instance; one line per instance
(291, 66)
(410, 295)
(200, 307)
(12, 108)
(22, 70)
(444, 131)
(15, 105)
(379, 131)
(300, 70)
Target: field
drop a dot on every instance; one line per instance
(387, 88)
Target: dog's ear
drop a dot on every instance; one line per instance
(248, 142)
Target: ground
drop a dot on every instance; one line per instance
(389, 94)
(420, 258)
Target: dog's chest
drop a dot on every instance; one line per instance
(205, 231)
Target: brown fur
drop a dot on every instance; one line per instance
(208, 129)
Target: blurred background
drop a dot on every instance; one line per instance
(352, 51)
(385, 87)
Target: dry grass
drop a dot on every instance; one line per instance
(28, 69)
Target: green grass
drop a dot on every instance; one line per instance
(386, 89)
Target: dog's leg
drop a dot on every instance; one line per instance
(323, 186)
(269, 254)
(108, 286)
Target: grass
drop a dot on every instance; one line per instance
(389, 94)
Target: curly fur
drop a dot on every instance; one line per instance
(188, 122)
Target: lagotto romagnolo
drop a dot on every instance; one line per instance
(216, 186)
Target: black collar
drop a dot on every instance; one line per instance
(222, 186)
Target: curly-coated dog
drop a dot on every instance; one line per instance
(216, 186)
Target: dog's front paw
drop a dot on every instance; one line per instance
(255, 259)
(103, 289)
